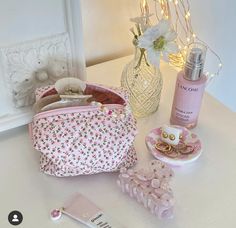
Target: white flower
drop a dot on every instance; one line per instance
(158, 40)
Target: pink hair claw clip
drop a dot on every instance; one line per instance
(150, 187)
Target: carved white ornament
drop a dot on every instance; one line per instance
(34, 64)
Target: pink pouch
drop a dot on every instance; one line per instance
(85, 139)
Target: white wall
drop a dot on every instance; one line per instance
(29, 19)
(106, 28)
(215, 22)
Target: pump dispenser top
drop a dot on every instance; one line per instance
(195, 61)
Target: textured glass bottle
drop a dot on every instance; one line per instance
(144, 83)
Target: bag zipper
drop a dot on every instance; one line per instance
(68, 110)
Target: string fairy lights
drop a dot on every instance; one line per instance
(178, 12)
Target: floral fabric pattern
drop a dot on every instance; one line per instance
(84, 140)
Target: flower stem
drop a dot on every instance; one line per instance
(142, 55)
(146, 60)
(138, 29)
(140, 59)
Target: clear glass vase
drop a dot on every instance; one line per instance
(144, 83)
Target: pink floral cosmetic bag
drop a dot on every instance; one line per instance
(85, 139)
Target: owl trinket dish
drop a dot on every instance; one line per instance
(174, 145)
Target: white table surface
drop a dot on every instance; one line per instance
(205, 191)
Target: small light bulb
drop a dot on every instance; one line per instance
(162, 12)
(187, 15)
(220, 65)
(188, 39)
(194, 35)
(176, 2)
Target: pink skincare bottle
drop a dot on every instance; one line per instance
(189, 89)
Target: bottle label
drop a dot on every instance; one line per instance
(182, 115)
(187, 102)
(103, 221)
(186, 88)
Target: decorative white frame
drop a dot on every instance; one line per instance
(73, 25)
